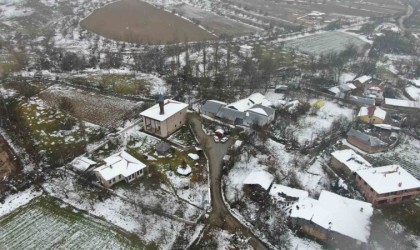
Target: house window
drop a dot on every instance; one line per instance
(382, 201)
(141, 171)
(180, 122)
(113, 179)
(175, 125)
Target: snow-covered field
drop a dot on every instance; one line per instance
(43, 224)
(333, 41)
(311, 126)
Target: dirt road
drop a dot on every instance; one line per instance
(220, 215)
(409, 12)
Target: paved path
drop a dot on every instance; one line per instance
(220, 215)
(409, 12)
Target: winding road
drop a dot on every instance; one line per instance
(409, 12)
(220, 215)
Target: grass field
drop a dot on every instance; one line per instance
(139, 22)
(44, 224)
(333, 41)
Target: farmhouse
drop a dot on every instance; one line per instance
(118, 167)
(387, 185)
(372, 115)
(348, 161)
(334, 219)
(342, 90)
(254, 109)
(375, 91)
(211, 107)
(401, 104)
(367, 143)
(165, 118)
(261, 178)
(287, 194)
(82, 163)
(360, 81)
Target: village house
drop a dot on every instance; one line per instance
(285, 194)
(348, 162)
(375, 91)
(118, 167)
(387, 185)
(334, 219)
(165, 118)
(361, 101)
(372, 115)
(367, 143)
(254, 109)
(342, 90)
(401, 104)
(361, 81)
(262, 179)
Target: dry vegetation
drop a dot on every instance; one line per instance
(98, 109)
(140, 22)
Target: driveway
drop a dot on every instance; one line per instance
(220, 216)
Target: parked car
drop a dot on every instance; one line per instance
(216, 138)
(224, 139)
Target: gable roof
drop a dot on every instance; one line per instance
(121, 163)
(262, 110)
(336, 213)
(212, 106)
(402, 103)
(367, 139)
(82, 163)
(388, 179)
(262, 178)
(363, 100)
(372, 111)
(282, 193)
(171, 107)
(363, 79)
(351, 159)
(247, 103)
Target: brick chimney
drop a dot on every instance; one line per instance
(161, 102)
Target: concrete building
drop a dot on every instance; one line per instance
(334, 219)
(387, 185)
(165, 118)
(118, 167)
(348, 162)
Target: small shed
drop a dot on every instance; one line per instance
(163, 148)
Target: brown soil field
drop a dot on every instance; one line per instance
(135, 21)
(101, 110)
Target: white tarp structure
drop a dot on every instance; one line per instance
(262, 178)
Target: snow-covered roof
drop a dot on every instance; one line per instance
(262, 178)
(282, 193)
(402, 103)
(121, 163)
(334, 90)
(386, 126)
(237, 144)
(336, 213)
(351, 85)
(171, 107)
(259, 111)
(362, 79)
(82, 163)
(212, 106)
(247, 103)
(388, 179)
(351, 159)
(372, 111)
(194, 156)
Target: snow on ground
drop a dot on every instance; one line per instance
(157, 84)
(309, 127)
(299, 243)
(17, 200)
(149, 226)
(414, 92)
(346, 77)
(314, 179)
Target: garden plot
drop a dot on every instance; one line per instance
(218, 24)
(98, 109)
(332, 41)
(183, 137)
(57, 135)
(405, 154)
(310, 127)
(153, 229)
(44, 224)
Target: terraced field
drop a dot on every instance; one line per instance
(43, 224)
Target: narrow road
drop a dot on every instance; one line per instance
(409, 12)
(220, 215)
